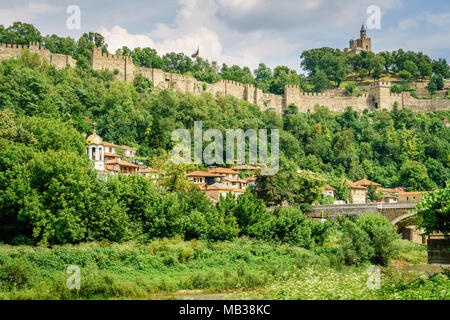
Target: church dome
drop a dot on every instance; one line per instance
(94, 138)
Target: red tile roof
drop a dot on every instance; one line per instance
(355, 186)
(107, 154)
(365, 182)
(223, 170)
(243, 167)
(122, 163)
(203, 174)
(128, 148)
(108, 144)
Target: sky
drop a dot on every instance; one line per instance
(244, 32)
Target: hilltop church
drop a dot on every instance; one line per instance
(361, 44)
(108, 157)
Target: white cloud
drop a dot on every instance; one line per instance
(418, 33)
(118, 37)
(195, 25)
(26, 13)
(241, 5)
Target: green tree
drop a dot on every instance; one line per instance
(175, 179)
(381, 233)
(20, 33)
(355, 244)
(414, 176)
(433, 212)
(432, 87)
(319, 81)
(287, 225)
(56, 44)
(263, 77)
(61, 200)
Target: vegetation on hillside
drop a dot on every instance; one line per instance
(50, 194)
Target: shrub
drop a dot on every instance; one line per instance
(355, 244)
(381, 235)
(248, 211)
(350, 88)
(288, 225)
(15, 273)
(396, 89)
(409, 251)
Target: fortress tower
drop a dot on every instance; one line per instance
(361, 44)
(380, 95)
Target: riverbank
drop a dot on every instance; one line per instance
(176, 269)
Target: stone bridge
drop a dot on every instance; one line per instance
(394, 212)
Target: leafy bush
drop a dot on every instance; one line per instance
(287, 225)
(381, 234)
(409, 251)
(355, 244)
(15, 273)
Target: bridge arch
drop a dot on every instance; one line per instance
(403, 217)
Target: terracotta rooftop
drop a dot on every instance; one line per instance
(222, 187)
(353, 185)
(365, 182)
(107, 154)
(223, 170)
(108, 144)
(327, 187)
(203, 174)
(128, 148)
(121, 163)
(243, 167)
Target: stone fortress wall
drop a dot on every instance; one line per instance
(8, 51)
(378, 97)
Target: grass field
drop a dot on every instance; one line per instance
(138, 271)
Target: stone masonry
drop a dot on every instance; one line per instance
(378, 97)
(8, 51)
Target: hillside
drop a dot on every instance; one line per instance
(375, 145)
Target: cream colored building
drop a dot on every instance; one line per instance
(328, 191)
(216, 190)
(357, 193)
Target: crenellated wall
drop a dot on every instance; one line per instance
(306, 101)
(122, 64)
(378, 97)
(8, 51)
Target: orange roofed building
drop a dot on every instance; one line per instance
(367, 183)
(219, 181)
(202, 178)
(411, 197)
(215, 190)
(357, 193)
(106, 157)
